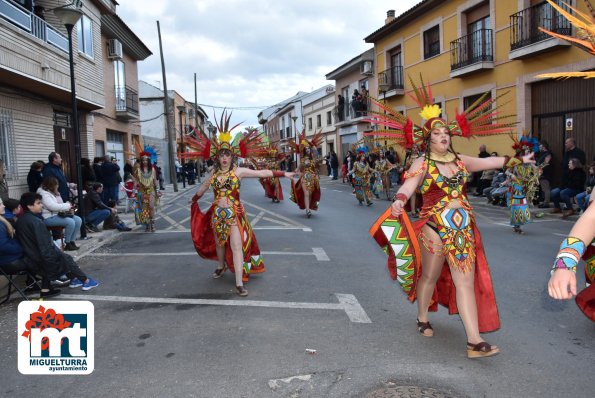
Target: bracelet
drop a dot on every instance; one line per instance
(278, 173)
(571, 250)
(402, 197)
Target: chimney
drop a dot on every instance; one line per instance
(390, 16)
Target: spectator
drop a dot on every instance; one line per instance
(499, 194)
(341, 108)
(364, 101)
(40, 250)
(544, 161)
(127, 171)
(178, 171)
(97, 162)
(96, 211)
(582, 198)
(483, 153)
(57, 213)
(485, 180)
(110, 174)
(190, 172)
(87, 172)
(571, 151)
(497, 182)
(572, 185)
(12, 211)
(113, 221)
(159, 172)
(53, 168)
(334, 165)
(356, 103)
(35, 176)
(327, 163)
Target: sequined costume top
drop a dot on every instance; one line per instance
(309, 173)
(225, 185)
(382, 166)
(362, 171)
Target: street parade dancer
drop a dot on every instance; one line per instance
(306, 191)
(361, 173)
(382, 169)
(224, 233)
(524, 180)
(147, 190)
(439, 259)
(272, 185)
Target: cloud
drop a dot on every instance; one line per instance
(252, 53)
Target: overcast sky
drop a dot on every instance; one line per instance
(251, 53)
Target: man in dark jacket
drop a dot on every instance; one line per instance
(54, 169)
(96, 211)
(39, 248)
(334, 165)
(571, 151)
(110, 174)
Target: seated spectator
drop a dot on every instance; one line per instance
(485, 181)
(572, 185)
(113, 221)
(496, 183)
(95, 210)
(499, 194)
(56, 213)
(39, 249)
(12, 211)
(583, 198)
(35, 176)
(11, 254)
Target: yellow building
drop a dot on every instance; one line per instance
(465, 48)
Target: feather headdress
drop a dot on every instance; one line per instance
(304, 143)
(481, 118)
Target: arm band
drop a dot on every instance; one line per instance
(402, 197)
(278, 173)
(571, 251)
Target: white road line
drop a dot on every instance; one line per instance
(347, 303)
(336, 190)
(317, 252)
(256, 219)
(171, 221)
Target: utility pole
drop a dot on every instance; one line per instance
(170, 132)
(196, 124)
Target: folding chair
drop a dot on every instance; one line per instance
(12, 282)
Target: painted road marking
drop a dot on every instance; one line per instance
(347, 303)
(187, 231)
(317, 252)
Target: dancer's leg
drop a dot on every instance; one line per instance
(306, 196)
(465, 285)
(430, 272)
(238, 254)
(220, 253)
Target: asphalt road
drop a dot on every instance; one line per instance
(165, 328)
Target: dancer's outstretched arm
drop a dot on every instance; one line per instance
(243, 172)
(203, 188)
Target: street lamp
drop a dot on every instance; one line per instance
(69, 16)
(182, 110)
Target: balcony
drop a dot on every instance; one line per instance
(30, 23)
(471, 53)
(392, 80)
(525, 37)
(126, 103)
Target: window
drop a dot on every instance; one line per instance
(309, 123)
(318, 121)
(480, 38)
(329, 120)
(100, 148)
(432, 42)
(120, 84)
(84, 31)
(7, 147)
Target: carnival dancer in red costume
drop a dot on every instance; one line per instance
(272, 185)
(447, 265)
(306, 191)
(224, 233)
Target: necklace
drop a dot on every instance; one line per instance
(442, 158)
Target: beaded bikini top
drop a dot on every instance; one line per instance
(226, 185)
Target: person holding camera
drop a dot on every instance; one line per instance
(96, 211)
(57, 213)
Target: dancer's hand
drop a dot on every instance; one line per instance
(290, 174)
(559, 284)
(530, 158)
(397, 207)
(195, 198)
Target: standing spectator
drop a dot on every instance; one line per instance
(35, 176)
(572, 185)
(57, 213)
(178, 170)
(486, 178)
(88, 173)
(583, 197)
(159, 175)
(544, 162)
(3, 184)
(356, 103)
(110, 173)
(334, 165)
(572, 151)
(97, 162)
(39, 249)
(327, 162)
(127, 171)
(341, 108)
(190, 172)
(53, 168)
(483, 153)
(96, 211)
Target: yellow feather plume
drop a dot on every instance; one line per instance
(225, 136)
(430, 111)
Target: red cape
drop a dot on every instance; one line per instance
(297, 195)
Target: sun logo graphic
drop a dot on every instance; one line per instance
(56, 337)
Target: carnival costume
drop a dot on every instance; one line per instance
(308, 183)
(212, 229)
(147, 193)
(524, 180)
(272, 185)
(382, 169)
(456, 227)
(361, 180)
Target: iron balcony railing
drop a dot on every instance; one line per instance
(126, 100)
(471, 49)
(524, 24)
(32, 24)
(392, 78)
